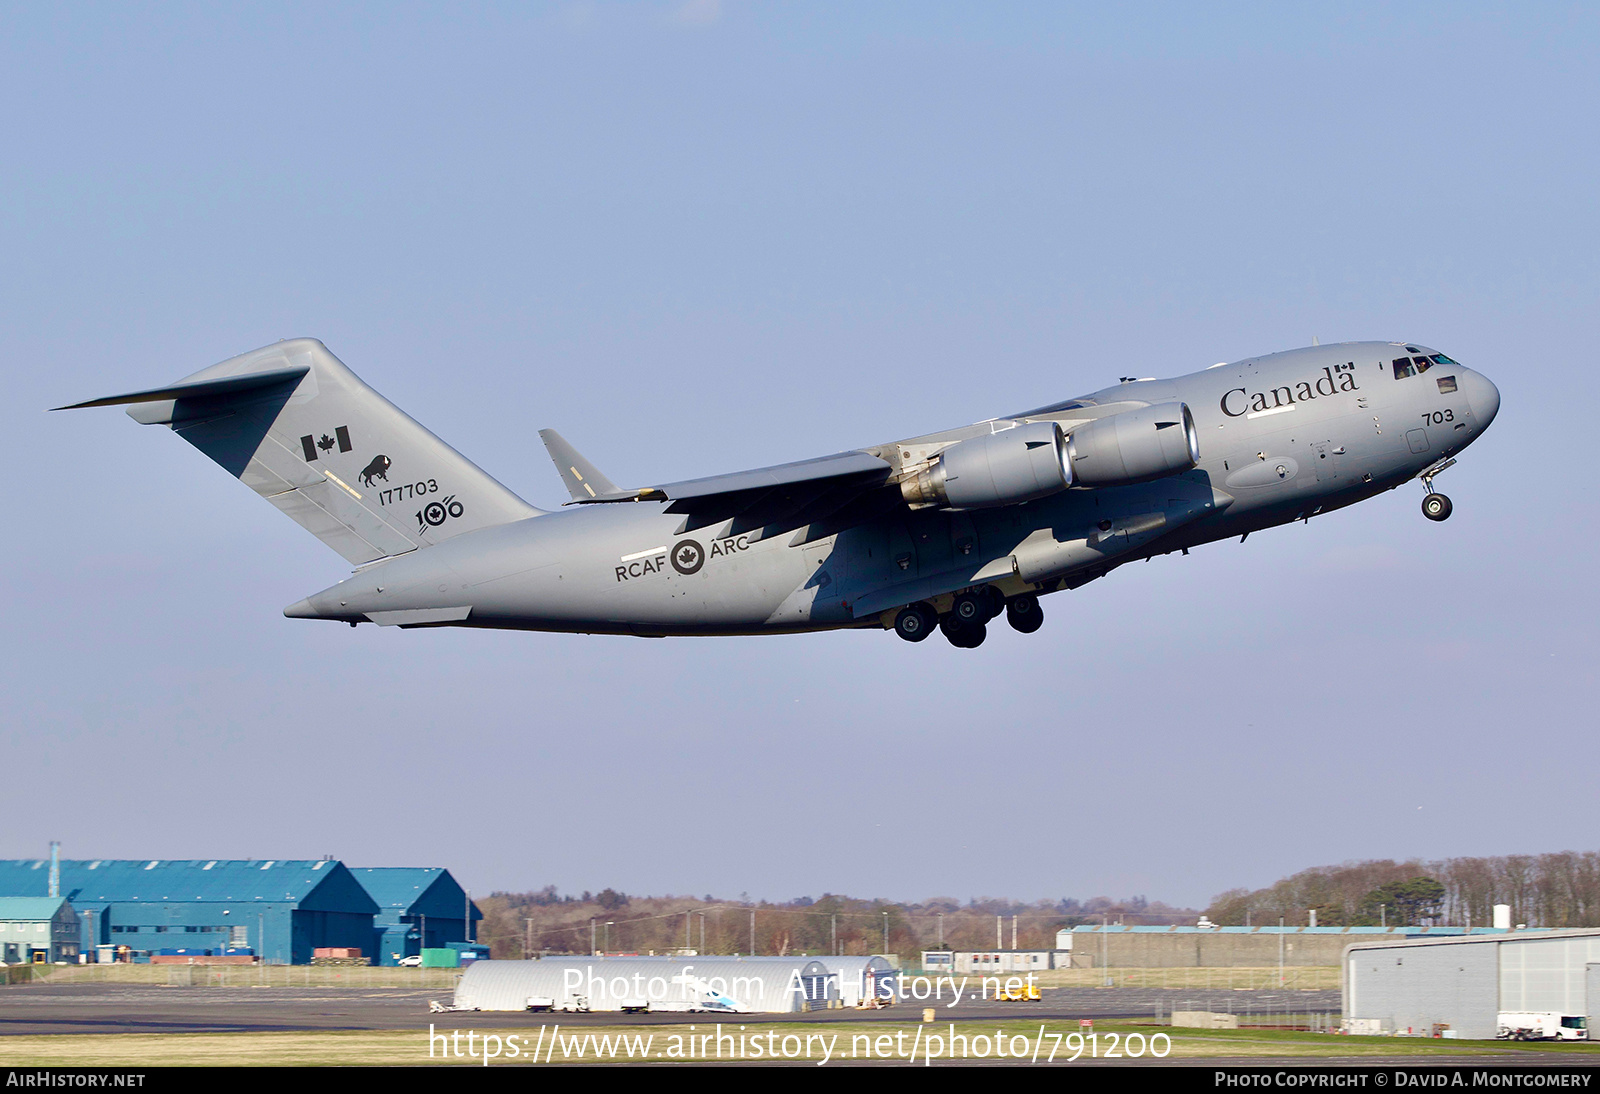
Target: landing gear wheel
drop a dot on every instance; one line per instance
(1024, 613)
(914, 623)
(970, 609)
(1437, 507)
(995, 602)
(964, 636)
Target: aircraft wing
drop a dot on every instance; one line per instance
(777, 499)
(768, 500)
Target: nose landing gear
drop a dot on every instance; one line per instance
(1436, 506)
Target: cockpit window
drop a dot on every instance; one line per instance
(1441, 359)
(1402, 368)
(1447, 385)
(1422, 363)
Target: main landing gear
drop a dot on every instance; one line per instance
(966, 624)
(1435, 506)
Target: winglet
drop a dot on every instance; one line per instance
(581, 478)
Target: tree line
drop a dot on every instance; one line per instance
(1561, 889)
(545, 922)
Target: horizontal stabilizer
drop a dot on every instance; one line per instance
(230, 386)
(420, 617)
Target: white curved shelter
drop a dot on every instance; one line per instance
(726, 984)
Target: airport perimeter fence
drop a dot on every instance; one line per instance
(251, 976)
(1265, 1014)
(1290, 978)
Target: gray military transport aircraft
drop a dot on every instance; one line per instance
(946, 530)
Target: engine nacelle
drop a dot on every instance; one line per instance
(1014, 465)
(1134, 446)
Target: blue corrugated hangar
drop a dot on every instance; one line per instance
(282, 909)
(418, 908)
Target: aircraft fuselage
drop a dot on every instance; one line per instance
(1280, 438)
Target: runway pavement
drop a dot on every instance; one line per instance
(145, 1008)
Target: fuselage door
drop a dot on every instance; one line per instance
(1329, 458)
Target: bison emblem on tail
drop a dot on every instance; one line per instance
(377, 469)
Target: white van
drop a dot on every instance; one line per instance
(1542, 1025)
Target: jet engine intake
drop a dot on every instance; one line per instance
(1134, 446)
(1014, 465)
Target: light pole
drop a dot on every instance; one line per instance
(608, 936)
(1280, 951)
(1105, 973)
(886, 934)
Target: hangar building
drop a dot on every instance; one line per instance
(1466, 982)
(418, 908)
(37, 929)
(281, 909)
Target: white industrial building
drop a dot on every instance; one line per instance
(1007, 962)
(736, 984)
(1464, 984)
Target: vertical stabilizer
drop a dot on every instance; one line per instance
(303, 431)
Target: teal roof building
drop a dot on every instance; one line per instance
(418, 908)
(281, 909)
(35, 929)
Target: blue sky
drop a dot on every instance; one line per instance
(707, 236)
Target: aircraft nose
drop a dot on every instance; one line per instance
(1483, 396)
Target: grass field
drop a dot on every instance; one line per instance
(852, 1041)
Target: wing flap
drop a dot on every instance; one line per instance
(866, 466)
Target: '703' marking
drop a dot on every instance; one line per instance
(407, 490)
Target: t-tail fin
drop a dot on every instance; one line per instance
(302, 430)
